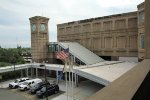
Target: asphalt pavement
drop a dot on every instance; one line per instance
(6, 94)
(82, 92)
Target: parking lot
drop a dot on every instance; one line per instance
(82, 92)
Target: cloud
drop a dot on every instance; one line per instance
(118, 3)
(15, 14)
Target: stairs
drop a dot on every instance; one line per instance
(80, 54)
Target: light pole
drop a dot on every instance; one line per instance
(14, 66)
(14, 70)
(43, 65)
(14, 62)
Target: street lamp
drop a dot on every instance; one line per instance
(43, 65)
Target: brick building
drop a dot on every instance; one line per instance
(110, 37)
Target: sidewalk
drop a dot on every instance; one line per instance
(82, 92)
(5, 84)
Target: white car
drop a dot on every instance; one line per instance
(16, 83)
(26, 85)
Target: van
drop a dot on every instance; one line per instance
(26, 85)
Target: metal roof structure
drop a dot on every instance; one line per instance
(104, 72)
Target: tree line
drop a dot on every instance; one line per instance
(11, 56)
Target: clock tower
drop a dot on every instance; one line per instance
(39, 38)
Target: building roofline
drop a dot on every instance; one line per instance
(141, 4)
(98, 18)
(38, 17)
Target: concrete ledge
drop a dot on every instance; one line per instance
(126, 86)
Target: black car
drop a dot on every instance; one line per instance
(38, 87)
(51, 89)
(56, 87)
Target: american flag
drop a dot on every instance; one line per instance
(62, 55)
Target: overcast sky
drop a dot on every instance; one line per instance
(15, 14)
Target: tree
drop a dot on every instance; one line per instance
(12, 55)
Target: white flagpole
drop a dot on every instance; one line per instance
(71, 69)
(69, 76)
(66, 78)
(72, 85)
(69, 81)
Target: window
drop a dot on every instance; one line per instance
(68, 30)
(61, 30)
(77, 29)
(87, 28)
(132, 22)
(53, 48)
(96, 43)
(107, 25)
(142, 41)
(121, 42)
(133, 42)
(141, 16)
(120, 24)
(108, 42)
(97, 26)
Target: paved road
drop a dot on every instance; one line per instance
(6, 94)
(84, 91)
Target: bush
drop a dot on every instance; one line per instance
(11, 75)
(3, 64)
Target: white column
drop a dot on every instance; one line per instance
(57, 77)
(27, 72)
(69, 80)
(75, 76)
(74, 59)
(31, 72)
(21, 72)
(36, 72)
(66, 84)
(72, 85)
(77, 81)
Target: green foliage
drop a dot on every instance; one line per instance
(2, 64)
(10, 75)
(12, 56)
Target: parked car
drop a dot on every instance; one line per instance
(37, 82)
(38, 87)
(16, 83)
(56, 87)
(26, 85)
(51, 89)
